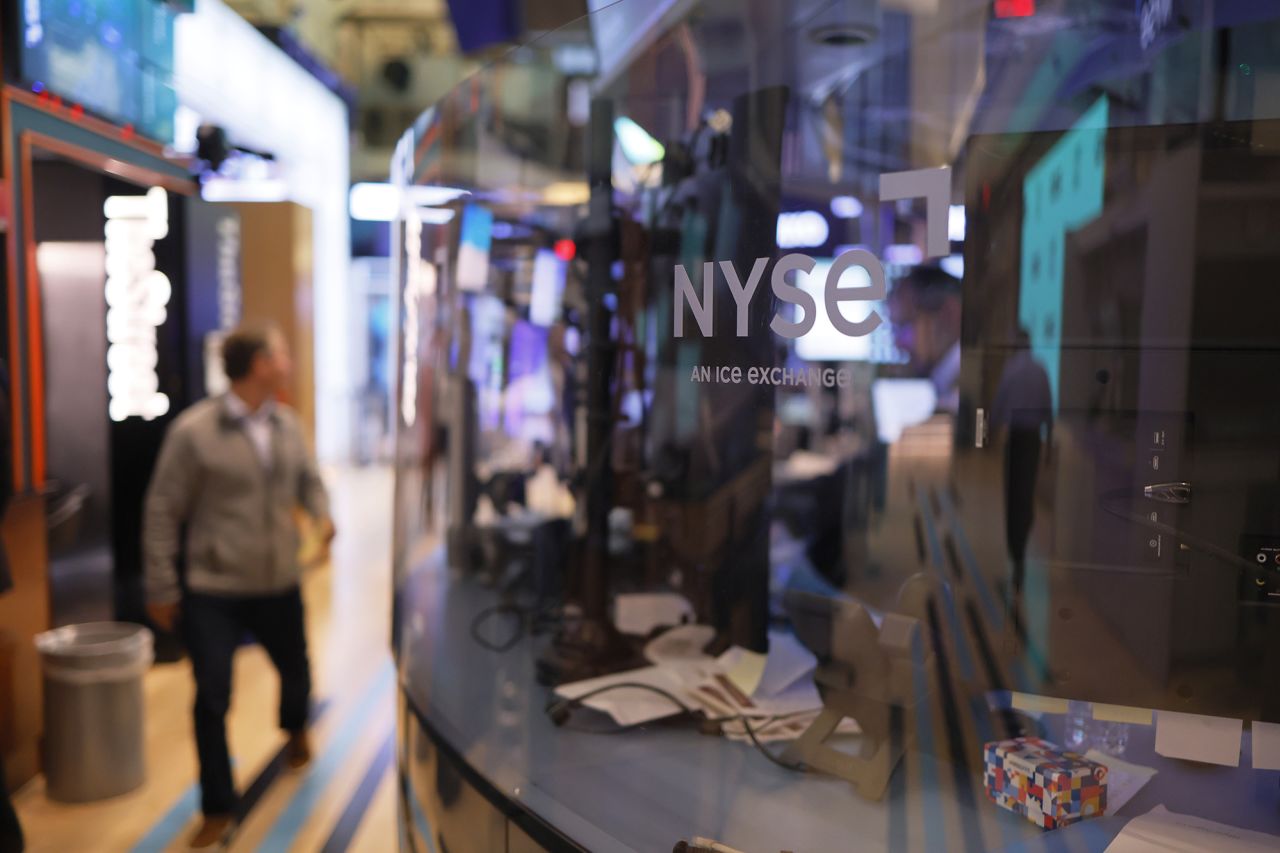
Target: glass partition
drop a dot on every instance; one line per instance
(852, 425)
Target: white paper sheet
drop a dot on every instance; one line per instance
(681, 644)
(788, 662)
(1163, 831)
(1213, 740)
(1266, 746)
(640, 613)
(1124, 780)
(631, 706)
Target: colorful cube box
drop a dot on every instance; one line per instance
(1046, 784)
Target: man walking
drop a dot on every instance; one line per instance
(232, 471)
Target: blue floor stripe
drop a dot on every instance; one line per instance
(322, 771)
(948, 599)
(420, 821)
(174, 821)
(934, 831)
(970, 562)
(162, 835)
(344, 831)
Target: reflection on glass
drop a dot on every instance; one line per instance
(1041, 499)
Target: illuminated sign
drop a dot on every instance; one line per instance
(420, 280)
(229, 295)
(34, 29)
(933, 185)
(137, 297)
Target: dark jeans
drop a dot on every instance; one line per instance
(213, 627)
(10, 831)
(1022, 467)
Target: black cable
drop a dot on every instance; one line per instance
(785, 765)
(531, 620)
(559, 709)
(483, 616)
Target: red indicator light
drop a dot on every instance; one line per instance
(1015, 8)
(566, 250)
(77, 111)
(127, 131)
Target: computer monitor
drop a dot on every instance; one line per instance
(826, 343)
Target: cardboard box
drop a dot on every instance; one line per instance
(1045, 784)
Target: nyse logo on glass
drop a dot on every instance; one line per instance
(933, 185)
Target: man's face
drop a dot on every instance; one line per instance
(273, 366)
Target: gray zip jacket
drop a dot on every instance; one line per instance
(237, 515)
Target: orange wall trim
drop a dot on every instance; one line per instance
(11, 276)
(28, 410)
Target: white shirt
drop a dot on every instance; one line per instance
(256, 425)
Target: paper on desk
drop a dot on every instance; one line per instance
(763, 676)
(744, 669)
(1124, 780)
(1213, 740)
(719, 698)
(1160, 831)
(639, 613)
(631, 706)
(1266, 746)
(682, 643)
(754, 685)
(788, 663)
(804, 465)
(784, 728)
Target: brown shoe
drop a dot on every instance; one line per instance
(214, 833)
(298, 751)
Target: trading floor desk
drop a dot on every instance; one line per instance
(484, 767)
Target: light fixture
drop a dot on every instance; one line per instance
(1015, 8)
(956, 222)
(903, 254)
(566, 194)
(953, 266)
(637, 145)
(226, 189)
(846, 207)
(377, 202)
(802, 229)
(435, 215)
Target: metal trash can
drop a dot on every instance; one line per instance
(93, 711)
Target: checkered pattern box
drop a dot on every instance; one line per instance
(1046, 784)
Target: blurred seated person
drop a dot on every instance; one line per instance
(924, 311)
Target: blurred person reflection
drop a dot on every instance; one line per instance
(463, 428)
(1023, 419)
(563, 383)
(10, 831)
(232, 472)
(924, 311)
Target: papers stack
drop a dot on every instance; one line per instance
(775, 692)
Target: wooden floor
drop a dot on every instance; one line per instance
(344, 800)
